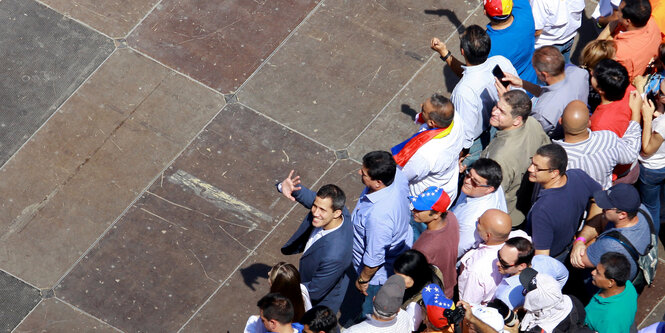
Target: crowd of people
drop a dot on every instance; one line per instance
(528, 201)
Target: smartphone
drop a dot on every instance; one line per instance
(498, 73)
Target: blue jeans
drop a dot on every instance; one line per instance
(652, 191)
(565, 49)
(368, 303)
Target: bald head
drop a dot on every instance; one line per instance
(575, 119)
(494, 226)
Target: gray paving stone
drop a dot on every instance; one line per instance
(17, 299)
(44, 57)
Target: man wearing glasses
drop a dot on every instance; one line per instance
(517, 138)
(561, 199)
(481, 191)
(514, 258)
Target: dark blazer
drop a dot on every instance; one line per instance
(322, 267)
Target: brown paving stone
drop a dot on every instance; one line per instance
(219, 43)
(91, 161)
(194, 225)
(651, 297)
(344, 64)
(395, 123)
(114, 18)
(238, 297)
(657, 315)
(52, 315)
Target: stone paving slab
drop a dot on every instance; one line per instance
(237, 298)
(54, 316)
(194, 225)
(17, 299)
(219, 43)
(114, 18)
(108, 157)
(344, 64)
(44, 58)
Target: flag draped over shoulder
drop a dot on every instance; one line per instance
(403, 151)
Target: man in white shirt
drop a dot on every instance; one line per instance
(481, 191)
(556, 23)
(479, 276)
(475, 95)
(429, 158)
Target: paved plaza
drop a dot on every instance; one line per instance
(140, 141)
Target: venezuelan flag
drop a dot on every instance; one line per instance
(405, 150)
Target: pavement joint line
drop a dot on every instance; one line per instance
(75, 20)
(652, 311)
(412, 77)
(138, 196)
(57, 110)
(279, 47)
(287, 127)
(29, 312)
(18, 278)
(250, 254)
(143, 19)
(75, 308)
(133, 49)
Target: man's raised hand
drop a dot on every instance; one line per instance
(289, 185)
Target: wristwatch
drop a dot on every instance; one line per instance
(444, 58)
(360, 281)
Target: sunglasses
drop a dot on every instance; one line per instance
(474, 183)
(503, 264)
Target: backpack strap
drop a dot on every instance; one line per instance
(647, 216)
(621, 239)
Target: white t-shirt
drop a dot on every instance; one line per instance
(657, 160)
(552, 17)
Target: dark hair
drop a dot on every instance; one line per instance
(442, 118)
(476, 44)
(380, 166)
(335, 194)
(320, 318)
(525, 250)
(617, 267)
(629, 215)
(637, 11)
(549, 59)
(490, 170)
(413, 264)
(519, 102)
(612, 79)
(558, 159)
(285, 280)
(277, 307)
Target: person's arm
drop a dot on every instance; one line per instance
(605, 20)
(515, 81)
(478, 325)
(651, 140)
(440, 47)
(366, 274)
(592, 228)
(543, 252)
(607, 32)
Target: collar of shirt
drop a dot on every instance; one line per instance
(380, 323)
(474, 68)
(380, 194)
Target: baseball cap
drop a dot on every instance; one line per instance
(623, 197)
(499, 9)
(436, 303)
(527, 279)
(432, 198)
(389, 298)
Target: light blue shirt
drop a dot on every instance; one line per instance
(381, 230)
(510, 289)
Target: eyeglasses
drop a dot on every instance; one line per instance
(538, 169)
(503, 264)
(474, 183)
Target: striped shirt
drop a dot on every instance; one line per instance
(602, 151)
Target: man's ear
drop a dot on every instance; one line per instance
(337, 213)
(517, 121)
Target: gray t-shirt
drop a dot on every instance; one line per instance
(639, 235)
